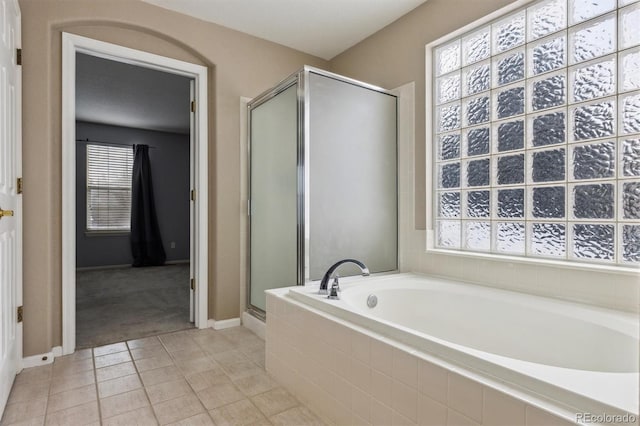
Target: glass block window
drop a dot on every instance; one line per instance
(537, 134)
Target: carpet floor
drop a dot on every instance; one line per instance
(114, 305)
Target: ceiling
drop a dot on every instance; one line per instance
(115, 93)
(119, 94)
(323, 28)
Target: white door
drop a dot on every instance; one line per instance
(10, 201)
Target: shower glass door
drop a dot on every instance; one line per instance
(273, 136)
(352, 186)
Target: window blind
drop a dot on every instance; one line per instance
(109, 171)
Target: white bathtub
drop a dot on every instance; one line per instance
(582, 357)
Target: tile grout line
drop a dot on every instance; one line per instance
(247, 397)
(185, 377)
(46, 405)
(210, 357)
(128, 350)
(250, 398)
(95, 378)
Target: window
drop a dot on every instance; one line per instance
(537, 134)
(109, 188)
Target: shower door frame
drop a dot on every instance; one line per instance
(301, 78)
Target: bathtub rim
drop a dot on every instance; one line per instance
(470, 365)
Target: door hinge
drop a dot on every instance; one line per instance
(19, 313)
(19, 186)
(193, 283)
(193, 106)
(193, 195)
(19, 56)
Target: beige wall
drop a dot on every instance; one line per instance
(239, 65)
(395, 56)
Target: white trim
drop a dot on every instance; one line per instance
(192, 213)
(543, 261)
(222, 324)
(255, 325)
(56, 351)
(71, 44)
(19, 201)
(429, 174)
(41, 359)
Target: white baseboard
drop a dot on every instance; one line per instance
(42, 359)
(222, 324)
(255, 325)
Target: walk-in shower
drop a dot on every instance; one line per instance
(323, 180)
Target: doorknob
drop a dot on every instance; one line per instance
(4, 213)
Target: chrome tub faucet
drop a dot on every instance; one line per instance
(335, 287)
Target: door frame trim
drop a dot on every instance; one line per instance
(72, 44)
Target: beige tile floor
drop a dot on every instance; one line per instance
(192, 377)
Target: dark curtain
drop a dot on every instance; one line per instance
(146, 243)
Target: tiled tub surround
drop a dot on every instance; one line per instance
(195, 377)
(350, 374)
